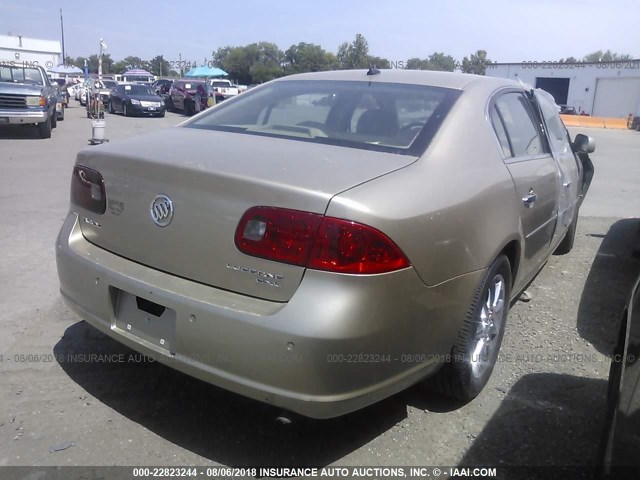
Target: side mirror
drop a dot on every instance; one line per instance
(584, 144)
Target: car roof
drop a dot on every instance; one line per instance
(454, 80)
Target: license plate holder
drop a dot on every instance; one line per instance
(146, 319)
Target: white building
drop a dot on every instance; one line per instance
(30, 51)
(604, 89)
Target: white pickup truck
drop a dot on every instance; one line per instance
(224, 87)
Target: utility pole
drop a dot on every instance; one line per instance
(62, 30)
(180, 63)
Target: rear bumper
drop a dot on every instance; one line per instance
(341, 343)
(16, 117)
(140, 110)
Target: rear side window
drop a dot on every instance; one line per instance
(498, 126)
(520, 124)
(556, 130)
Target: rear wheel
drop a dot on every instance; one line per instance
(188, 108)
(54, 119)
(44, 129)
(475, 352)
(110, 108)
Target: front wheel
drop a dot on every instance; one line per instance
(124, 109)
(44, 129)
(475, 351)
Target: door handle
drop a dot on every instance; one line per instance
(567, 184)
(530, 199)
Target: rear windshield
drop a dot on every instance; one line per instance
(138, 78)
(390, 117)
(138, 90)
(220, 84)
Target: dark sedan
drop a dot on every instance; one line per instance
(136, 100)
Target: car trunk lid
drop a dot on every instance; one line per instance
(212, 178)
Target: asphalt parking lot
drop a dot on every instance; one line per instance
(544, 404)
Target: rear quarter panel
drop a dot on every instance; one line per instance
(453, 210)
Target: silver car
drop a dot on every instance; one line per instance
(326, 240)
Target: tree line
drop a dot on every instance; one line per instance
(263, 61)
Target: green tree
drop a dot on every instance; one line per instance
(476, 64)
(93, 63)
(416, 64)
(254, 63)
(159, 66)
(220, 55)
(568, 60)
(354, 54)
(378, 62)
(107, 63)
(119, 67)
(79, 62)
(440, 61)
(71, 62)
(435, 61)
(607, 56)
(307, 57)
(134, 62)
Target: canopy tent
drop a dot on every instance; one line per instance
(205, 71)
(65, 70)
(138, 72)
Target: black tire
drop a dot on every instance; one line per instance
(61, 119)
(566, 245)
(110, 108)
(44, 129)
(161, 115)
(169, 103)
(54, 119)
(465, 373)
(188, 108)
(124, 109)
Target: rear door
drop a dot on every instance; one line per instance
(177, 95)
(534, 171)
(567, 162)
(116, 97)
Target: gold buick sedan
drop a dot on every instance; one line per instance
(328, 239)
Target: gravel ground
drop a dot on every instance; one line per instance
(544, 404)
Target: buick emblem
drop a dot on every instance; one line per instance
(161, 210)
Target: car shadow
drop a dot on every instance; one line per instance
(216, 424)
(18, 132)
(545, 420)
(611, 277)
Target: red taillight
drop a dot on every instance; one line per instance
(315, 241)
(87, 189)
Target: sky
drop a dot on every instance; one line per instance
(509, 30)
